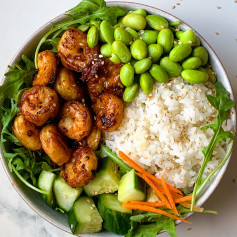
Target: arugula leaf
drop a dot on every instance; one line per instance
(222, 103)
(149, 224)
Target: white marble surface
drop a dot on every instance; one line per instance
(20, 18)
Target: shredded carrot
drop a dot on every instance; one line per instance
(151, 209)
(159, 194)
(183, 199)
(135, 166)
(169, 196)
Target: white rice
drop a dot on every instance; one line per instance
(162, 131)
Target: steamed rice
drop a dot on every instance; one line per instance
(162, 131)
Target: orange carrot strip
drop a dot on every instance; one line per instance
(169, 196)
(159, 194)
(151, 209)
(135, 166)
(183, 199)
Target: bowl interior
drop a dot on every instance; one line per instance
(32, 198)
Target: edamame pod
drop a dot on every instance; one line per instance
(159, 73)
(180, 52)
(122, 51)
(173, 69)
(154, 52)
(192, 63)
(146, 82)
(149, 36)
(93, 37)
(138, 49)
(127, 75)
(194, 76)
(188, 37)
(135, 21)
(142, 65)
(140, 11)
(106, 50)
(134, 34)
(212, 75)
(122, 35)
(107, 32)
(178, 34)
(166, 39)
(157, 22)
(202, 53)
(130, 92)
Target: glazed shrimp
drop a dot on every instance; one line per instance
(66, 86)
(75, 120)
(47, 64)
(81, 169)
(93, 140)
(54, 145)
(109, 112)
(39, 104)
(74, 51)
(27, 133)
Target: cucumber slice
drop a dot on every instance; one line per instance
(130, 188)
(64, 194)
(115, 218)
(106, 180)
(84, 217)
(45, 183)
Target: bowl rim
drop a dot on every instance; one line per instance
(218, 176)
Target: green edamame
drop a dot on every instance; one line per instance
(212, 75)
(202, 53)
(134, 34)
(130, 92)
(135, 21)
(178, 34)
(175, 23)
(138, 49)
(166, 39)
(115, 59)
(194, 76)
(122, 35)
(173, 69)
(149, 36)
(192, 63)
(203, 70)
(127, 75)
(83, 28)
(93, 36)
(159, 73)
(140, 11)
(122, 51)
(188, 37)
(197, 42)
(133, 61)
(146, 82)
(180, 52)
(157, 22)
(142, 65)
(154, 52)
(95, 23)
(107, 32)
(106, 50)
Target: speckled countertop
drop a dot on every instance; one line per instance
(215, 20)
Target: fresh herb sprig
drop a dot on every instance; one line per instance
(85, 11)
(222, 103)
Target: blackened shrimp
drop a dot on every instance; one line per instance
(75, 120)
(39, 104)
(54, 145)
(27, 133)
(109, 112)
(47, 64)
(81, 169)
(93, 140)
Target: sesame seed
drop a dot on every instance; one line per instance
(72, 226)
(102, 63)
(88, 200)
(142, 31)
(91, 208)
(180, 42)
(218, 7)
(96, 193)
(130, 42)
(162, 27)
(173, 7)
(83, 100)
(94, 117)
(54, 105)
(190, 42)
(101, 56)
(178, 3)
(93, 205)
(93, 62)
(96, 76)
(217, 33)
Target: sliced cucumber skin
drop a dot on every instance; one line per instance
(65, 195)
(131, 188)
(83, 219)
(45, 182)
(106, 180)
(113, 220)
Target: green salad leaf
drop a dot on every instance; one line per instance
(150, 224)
(222, 103)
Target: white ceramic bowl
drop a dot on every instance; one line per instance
(32, 198)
